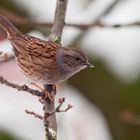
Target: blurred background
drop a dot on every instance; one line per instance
(106, 98)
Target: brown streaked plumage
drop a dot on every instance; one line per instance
(41, 60)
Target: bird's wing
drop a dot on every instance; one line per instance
(41, 51)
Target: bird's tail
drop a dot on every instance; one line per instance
(8, 27)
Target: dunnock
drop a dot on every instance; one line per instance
(43, 61)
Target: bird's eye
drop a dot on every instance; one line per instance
(77, 58)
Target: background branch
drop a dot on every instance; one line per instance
(96, 23)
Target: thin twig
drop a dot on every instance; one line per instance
(34, 114)
(22, 88)
(58, 108)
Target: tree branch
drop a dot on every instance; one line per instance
(22, 88)
(57, 28)
(49, 105)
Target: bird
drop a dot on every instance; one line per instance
(43, 61)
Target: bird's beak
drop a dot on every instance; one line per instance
(89, 65)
